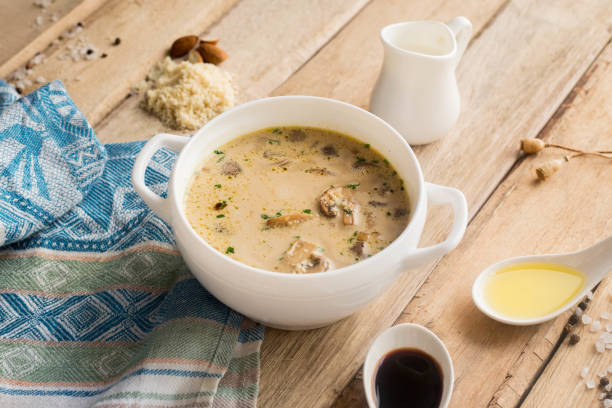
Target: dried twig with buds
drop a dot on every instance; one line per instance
(547, 169)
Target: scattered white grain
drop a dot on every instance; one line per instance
(578, 312)
(607, 403)
(590, 295)
(27, 83)
(20, 85)
(584, 371)
(38, 58)
(42, 3)
(609, 327)
(608, 346)
(609, 369)
(602, 374)
(39, 20)
(602, 395)
(586, 319)
(41, 80)
(590, 384)
(605, 316)
(596, 326)
(53, 18)
(90, 51)
(29, 72)
(19, 74)
(600, 347)
(606, 337)
(608, 387)
(73, 32)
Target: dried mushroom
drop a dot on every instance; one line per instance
(361, 249)
(335, 199)
(306, 257)
(288, 220)
(296, 135)
(230, 168)
(321, 171)
(329, 150)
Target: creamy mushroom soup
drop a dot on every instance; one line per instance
(297, 200)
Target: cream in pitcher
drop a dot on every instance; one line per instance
(416, 91)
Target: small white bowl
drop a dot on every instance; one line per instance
(407, 335)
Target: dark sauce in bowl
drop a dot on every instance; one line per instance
(408, 377)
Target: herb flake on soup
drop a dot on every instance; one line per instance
(297, 200)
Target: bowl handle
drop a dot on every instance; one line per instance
(156, 203)
(442, 195)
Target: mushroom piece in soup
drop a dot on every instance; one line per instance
(297, 200)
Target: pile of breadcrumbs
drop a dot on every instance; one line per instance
(186, 95)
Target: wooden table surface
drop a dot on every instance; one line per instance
(534, 68)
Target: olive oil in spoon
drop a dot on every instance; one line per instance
(533, 289)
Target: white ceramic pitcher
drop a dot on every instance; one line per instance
(416, 91)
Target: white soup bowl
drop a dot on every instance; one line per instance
(292, 301)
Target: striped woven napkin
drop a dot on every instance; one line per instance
(97, 307)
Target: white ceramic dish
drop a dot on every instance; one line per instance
(413, 336)
(298, 301)
(416, 91)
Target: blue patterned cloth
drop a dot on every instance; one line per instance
(36, 191)
(97, 308)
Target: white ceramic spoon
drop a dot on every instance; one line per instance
(412, 336)
(594, 262)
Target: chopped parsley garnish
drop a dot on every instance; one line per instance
(386, 162)
(219, 152)
(349, 212)
(217, 185)
(367, 145)
(229, 250)
(388, 214)
(273, 141)
(278, 214)
(265, 216)
(307, 211)
(220, 159)
(352, 238)
(221, 216)
(360, 159)
(353, 186)
(277, 131)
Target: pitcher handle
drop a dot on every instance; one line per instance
(462, 29)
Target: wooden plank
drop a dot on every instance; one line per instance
(509, 92)
(146, 30)
(266, 43)
(23, 37)
(495, 364)
(583, 214)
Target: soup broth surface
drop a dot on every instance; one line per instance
(297, 200)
